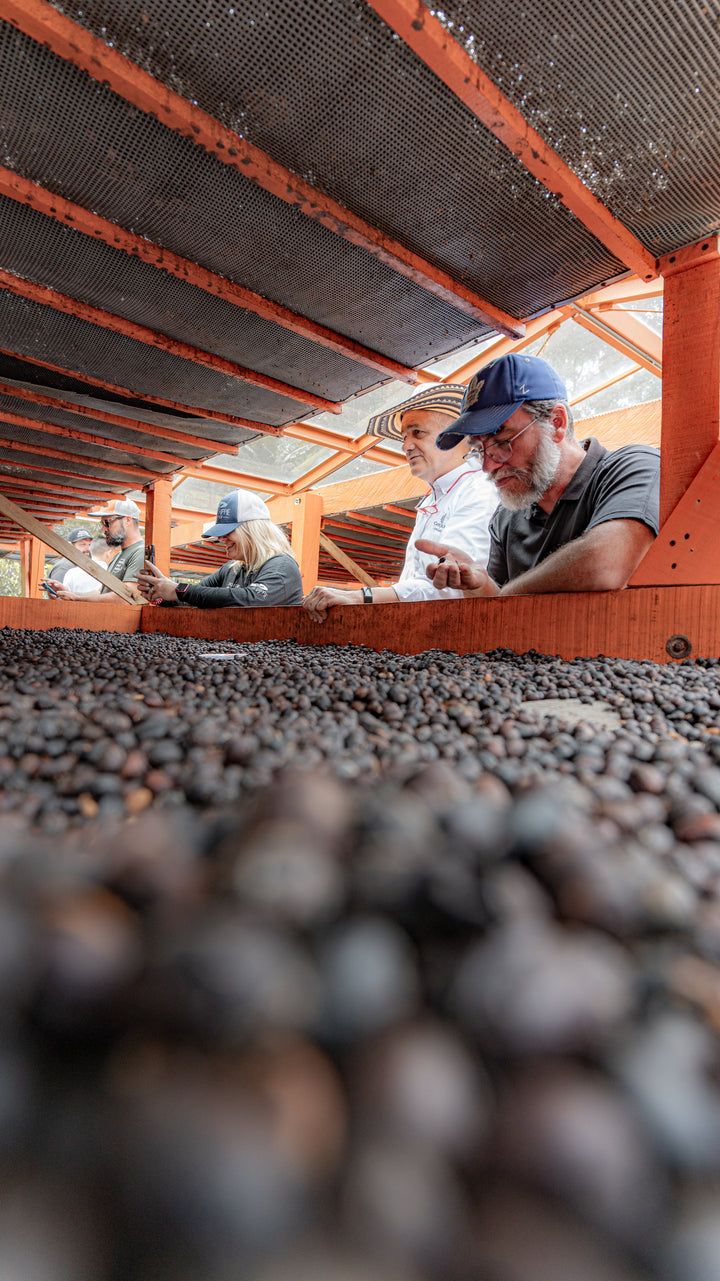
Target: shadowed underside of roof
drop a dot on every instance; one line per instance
(217, 221)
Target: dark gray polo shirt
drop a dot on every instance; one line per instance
(620, 485)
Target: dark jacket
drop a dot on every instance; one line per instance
(277, 582)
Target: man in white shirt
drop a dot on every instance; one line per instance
(456, 510)
(77, 580)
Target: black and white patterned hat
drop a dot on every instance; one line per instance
(445, 398)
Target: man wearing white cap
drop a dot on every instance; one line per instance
(261, 568)
(121, 527)
(456, 509)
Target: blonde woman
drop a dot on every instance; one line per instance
(261, 569)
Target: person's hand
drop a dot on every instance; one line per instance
(320, 599)
(64, 592)
(154, 586)
(454, 568)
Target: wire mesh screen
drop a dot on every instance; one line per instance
(328, 90)
(626, 94)
(40, 436)
(136, 172)
(40, 249)
(14, 371)
(33, 330)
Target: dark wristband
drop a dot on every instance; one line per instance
(367, 595)
(180, 589)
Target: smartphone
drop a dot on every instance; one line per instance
(150, 552)
(49, 588)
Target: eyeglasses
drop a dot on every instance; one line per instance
(109, 520)
(500, 451)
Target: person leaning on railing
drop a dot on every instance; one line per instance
(457, 506)
(573, 516)
(261, 569)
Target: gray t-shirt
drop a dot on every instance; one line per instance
(622, 485)
(60, 569)
(127, 564)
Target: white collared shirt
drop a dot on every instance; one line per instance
(456, 511)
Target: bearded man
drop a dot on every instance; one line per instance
(573, 516)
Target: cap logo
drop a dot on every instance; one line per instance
(473, 393)
(522, 387)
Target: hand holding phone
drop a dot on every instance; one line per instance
(48, 586)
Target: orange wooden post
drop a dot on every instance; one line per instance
(687, 548)
(158, 511)
(691, 366)
(36, 568)
(24, 551)
(306, 514)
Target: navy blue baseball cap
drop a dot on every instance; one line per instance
(234, 509)
(497, 390)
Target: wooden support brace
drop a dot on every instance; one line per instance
(58, 544)
(306, 516)
(158, 512)
(346, 561)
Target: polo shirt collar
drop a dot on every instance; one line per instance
(444, 483)
(575, 487)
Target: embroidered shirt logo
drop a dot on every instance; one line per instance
(473, 393)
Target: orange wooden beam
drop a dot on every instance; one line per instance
(210, 415)
(183, 534)
(631, 289)
(346, 561)
(36, 568)
(151, 338)
(307, 512)
(400, 511)
(235, 479)
(53, 429)
(158, 512)
(313, 435)
(365, 491)
(622, 331)
(43, 23)
(687, 549)
(118, 420)
(377, 522)
(30, 193)
(186, 515)
(442, 53)
(41, 615)
(610, 382)
(534, 329)
(688, 544)
(50, 491)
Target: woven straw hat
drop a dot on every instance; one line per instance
(445, 397)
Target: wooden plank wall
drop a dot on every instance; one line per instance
(41, 615)
(635, 623)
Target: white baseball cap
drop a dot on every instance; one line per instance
(234, 509)
(121, 507)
